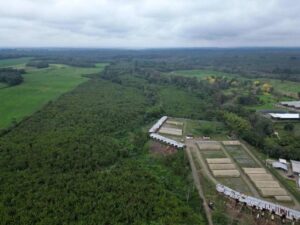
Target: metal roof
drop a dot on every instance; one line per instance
(295, 166)
(279, 165)
(260, 204)
(295, 104)
(158, 124)
(167, 140)
(285, 115)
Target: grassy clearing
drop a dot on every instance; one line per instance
(39, 87)
(14, 62)
(284, 86)
(206, 128)
(236, 183)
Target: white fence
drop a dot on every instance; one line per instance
(258, 203)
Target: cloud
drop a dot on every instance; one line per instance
(149, 23)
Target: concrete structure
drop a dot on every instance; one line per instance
(158, 124)
(285, 116)
(295, 167)
(258, 203)
(279, 165)
(167, 141)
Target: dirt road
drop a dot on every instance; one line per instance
(197, 182)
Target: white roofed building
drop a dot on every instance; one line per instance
(295, 167)
(167, 140)
(158, 124)
(285, 116)
(280, 165)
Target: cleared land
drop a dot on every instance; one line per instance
(209, 145)
(170, 131)
(226, 173)
(219, 160)
(221, 166)
(39, 87)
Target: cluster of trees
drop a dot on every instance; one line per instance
(83, 159)
(11, 76)
(38, 64)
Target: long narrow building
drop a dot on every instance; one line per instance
(258, 203)
(166, 140)
(158, 124)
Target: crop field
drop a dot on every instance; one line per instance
(170, 131)
(213, 154)
(39, 87)
(240, 156)
(14, 62)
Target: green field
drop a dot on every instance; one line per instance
(201, 74)
(14, 62)
(39, 87)
(284, 85)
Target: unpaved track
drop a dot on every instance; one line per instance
(198, 184)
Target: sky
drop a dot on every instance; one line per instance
(149, 23)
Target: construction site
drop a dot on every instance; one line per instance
(250, 191)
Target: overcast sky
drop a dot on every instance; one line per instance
(149, 23)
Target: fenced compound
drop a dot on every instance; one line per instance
(259, 204)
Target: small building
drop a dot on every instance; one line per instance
(280, 165)
(295, 167)
(285, 116)
(292, 104)
(283, 161)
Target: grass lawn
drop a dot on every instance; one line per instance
(39, 87)
(14, 62)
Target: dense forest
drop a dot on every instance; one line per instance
(84, 159)
(11, 76)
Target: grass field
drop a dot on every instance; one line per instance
(214, 129)
(39, 87)
(14, 62)
(285, 86)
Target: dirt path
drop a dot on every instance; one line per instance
(198, 184)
